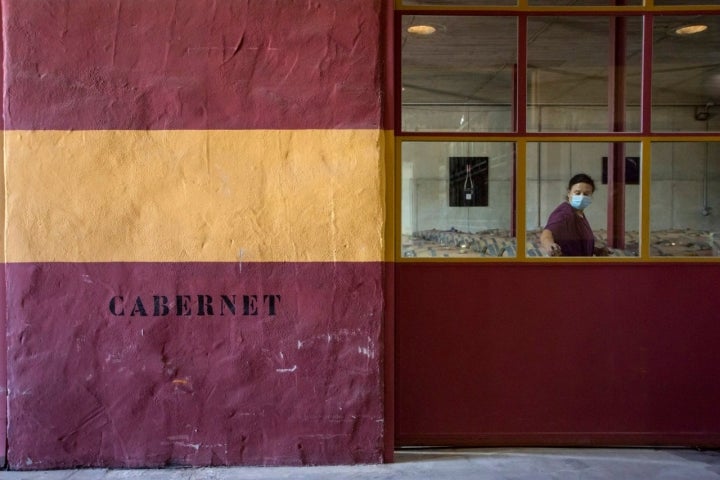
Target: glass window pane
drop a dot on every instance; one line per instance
(455, 3)
(685, 199)
(584, 3)
(459, 78)
(569, 73)
(686, 3)
(456, 199)
(686, 74)
(551, 167)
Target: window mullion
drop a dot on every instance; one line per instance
(520, 198)
(645, 178)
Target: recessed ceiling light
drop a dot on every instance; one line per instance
(422, 29)
(690, 29)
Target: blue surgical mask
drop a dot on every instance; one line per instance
(580, 202)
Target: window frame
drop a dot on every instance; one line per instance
(521, 137)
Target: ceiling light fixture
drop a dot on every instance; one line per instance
(690, 29)
(421, 29)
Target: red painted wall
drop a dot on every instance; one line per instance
(95, 384)
(135, 384)
(164, 64)
(580, 354)
(3, 345)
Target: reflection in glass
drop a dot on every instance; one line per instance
(551, 165)
(685, 199)
(686, 74)
(569, 75)
(583, 3)
(456, 199)
(455, 3)
(686, 3)
(459, 78)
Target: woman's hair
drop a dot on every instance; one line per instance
(581, 178)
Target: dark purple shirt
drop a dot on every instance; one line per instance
(571, 231)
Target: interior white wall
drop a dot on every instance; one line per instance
(683, 182)
(425, 185)
(681, 190)
(450, 119)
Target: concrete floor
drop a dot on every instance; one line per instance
(450, 464)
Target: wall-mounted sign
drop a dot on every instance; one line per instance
(468, 181)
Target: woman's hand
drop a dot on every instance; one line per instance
(548, 245)
(603, 252)
(554, 250)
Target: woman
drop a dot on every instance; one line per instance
(567, 231)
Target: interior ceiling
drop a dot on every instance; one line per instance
(471, 59)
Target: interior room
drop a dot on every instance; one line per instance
(584, 78)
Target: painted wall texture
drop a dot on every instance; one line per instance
(3, 340)
(194, 232)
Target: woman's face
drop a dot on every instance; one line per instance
(580, 189)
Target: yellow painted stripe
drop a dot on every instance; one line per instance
(2, 201)
(249, 196)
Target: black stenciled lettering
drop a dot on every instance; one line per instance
(113, 306)
(226, 301)
(161, 307)
(182, 305)
(205, 303)
(138, 309)
(250, 305)
(270, 300)
(185, 306)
